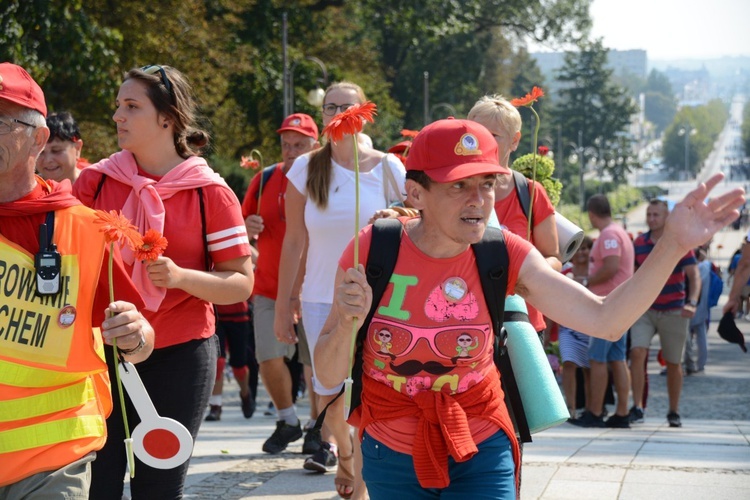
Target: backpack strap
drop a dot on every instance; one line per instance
(492, 262)
(206, 255)
(386, 238)
(265, 176)
(99, 186)
(522, 190)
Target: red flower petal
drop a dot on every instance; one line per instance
(117, 228)
(351, 121)
(529, 98)
(249, 164)
(152, 246)
(409, 133)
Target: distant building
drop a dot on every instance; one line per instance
(692, 87)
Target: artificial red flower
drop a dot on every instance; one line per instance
(529, 98)
(351, 121)
(409, 133)
(543, 150)
(117, 228)
(152, 246)
(249, 164)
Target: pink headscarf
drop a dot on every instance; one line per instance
(145, 205)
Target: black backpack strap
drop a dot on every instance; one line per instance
(522, 190)
(206, 255)
(265, 176)
(381, 261)
(492, 262)
(99, 186)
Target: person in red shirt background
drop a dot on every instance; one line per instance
(299, 135)
(503, 121)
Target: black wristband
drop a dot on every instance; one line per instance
(136, 349)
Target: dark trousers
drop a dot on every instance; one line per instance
(179, 380)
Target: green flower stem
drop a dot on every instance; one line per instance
(260, 172)
(533, 173)
(348, 381)
(128, 440)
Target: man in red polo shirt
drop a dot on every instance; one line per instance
(299, 135)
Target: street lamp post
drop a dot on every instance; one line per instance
(579, 155)
(451, 110)
(315, 96)
(426, 98)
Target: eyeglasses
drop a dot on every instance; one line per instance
(332, 109)
(152, 69)
(6, 125)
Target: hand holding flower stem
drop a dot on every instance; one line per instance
(248, 163)
(350, 122)
(118, 229)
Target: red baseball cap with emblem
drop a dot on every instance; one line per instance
(300, 122)
(17, 86)
(449, 150)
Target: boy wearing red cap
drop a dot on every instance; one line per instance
(431, 422)
(54, 387)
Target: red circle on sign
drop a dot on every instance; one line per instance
(161, 443)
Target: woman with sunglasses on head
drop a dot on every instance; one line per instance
(159, 181)
(320, 205)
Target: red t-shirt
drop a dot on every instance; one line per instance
(181, 317)
(510, 214)
(24, 231)
(432, 330)
(274, 222)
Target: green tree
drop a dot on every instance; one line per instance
(695, 129)
(231, 52)
(590, 103)
(457, 42)
(661, 104)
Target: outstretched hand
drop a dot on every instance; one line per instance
(693, 222)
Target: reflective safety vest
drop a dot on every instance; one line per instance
(54, 385)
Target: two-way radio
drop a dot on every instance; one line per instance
(47, 262)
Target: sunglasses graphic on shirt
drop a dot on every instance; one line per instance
(449, 344)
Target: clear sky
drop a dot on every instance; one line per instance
(674, 29)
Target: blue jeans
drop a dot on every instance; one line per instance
(490, 474)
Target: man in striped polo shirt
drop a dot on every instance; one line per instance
(669, 316)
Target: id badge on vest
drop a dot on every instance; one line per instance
(32, 327)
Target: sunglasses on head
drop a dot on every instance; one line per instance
(152, 69)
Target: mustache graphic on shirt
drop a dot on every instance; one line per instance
(413, 366)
